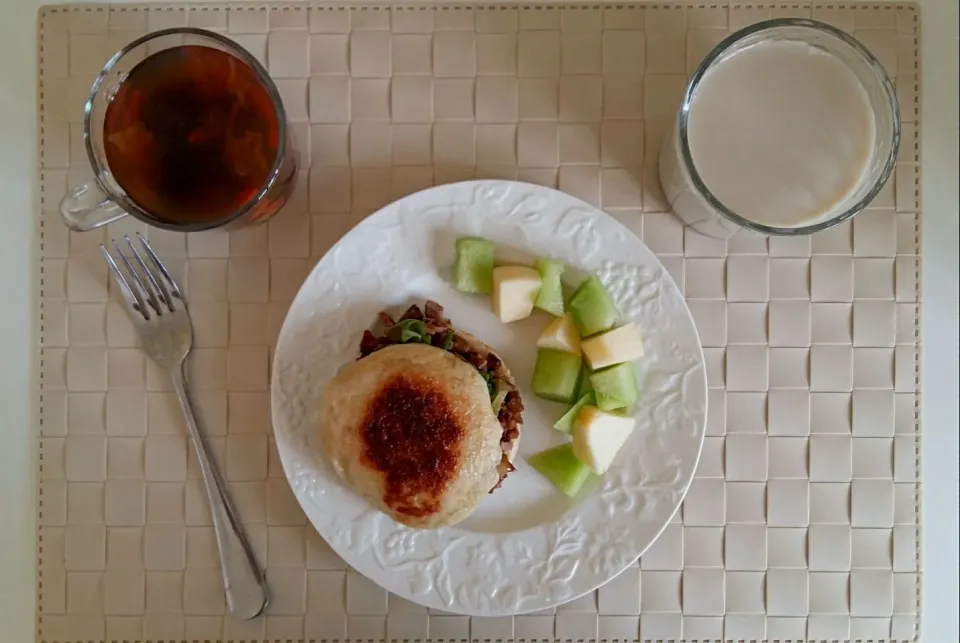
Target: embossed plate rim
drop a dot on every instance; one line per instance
(453, 569)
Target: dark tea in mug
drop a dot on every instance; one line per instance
(191, 134)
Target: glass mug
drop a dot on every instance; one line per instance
(845, 62)
(185, 131)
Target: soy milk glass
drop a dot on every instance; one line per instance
(788, 127)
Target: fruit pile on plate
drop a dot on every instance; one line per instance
(584, 356)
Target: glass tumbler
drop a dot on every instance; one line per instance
(694, 203)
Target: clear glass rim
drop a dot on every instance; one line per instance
(715, 54)
(128, 204)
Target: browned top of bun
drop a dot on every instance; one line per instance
(411, 429)
(412, 433)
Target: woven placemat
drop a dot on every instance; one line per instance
(803, 520)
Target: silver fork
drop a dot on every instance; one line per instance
(160, 315)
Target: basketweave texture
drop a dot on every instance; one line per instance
(803, 520)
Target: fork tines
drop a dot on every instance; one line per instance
(145, 283)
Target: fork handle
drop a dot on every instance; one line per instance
(244, 584)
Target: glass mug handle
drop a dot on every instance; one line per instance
(87, 207)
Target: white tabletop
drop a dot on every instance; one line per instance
(18, 133)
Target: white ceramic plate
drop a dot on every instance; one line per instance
(527, 547)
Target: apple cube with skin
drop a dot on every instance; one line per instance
(561, 334)
(598, 436)
(616, 346)
(515, 290)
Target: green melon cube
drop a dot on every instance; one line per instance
(562, 468)
(593, 309)
(565, 423)
(550, 297)
(473, 268)
(556, 375)
(585, 385)
(615, 387)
